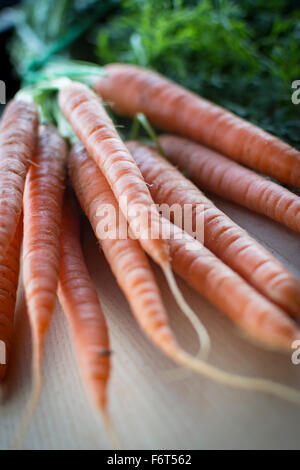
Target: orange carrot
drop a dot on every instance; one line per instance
(169, 106)
(256, 316)
(91, 123)
(81, 305)
(222, 236)
(131, 268)
(17, 142)
(9, 278)
(218, 175)
(43, 197)
(82, 308)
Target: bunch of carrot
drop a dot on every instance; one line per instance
(232, 270)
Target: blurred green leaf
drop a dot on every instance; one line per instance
(49, 28)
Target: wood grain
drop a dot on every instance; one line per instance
(150, 410)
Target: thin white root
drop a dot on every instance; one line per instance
(200, 366)
(200, 329)
(33, 400)
(176, 374)
(111, 433)
(236, 381)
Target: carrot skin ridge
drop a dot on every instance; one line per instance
(169, 106)
(216, 174)
(9, 279)
(222, 236)
(82, 308)
(18, 129)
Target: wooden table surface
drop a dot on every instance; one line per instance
(150, 407)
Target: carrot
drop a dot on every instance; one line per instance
(223, 237)
(43, 197)
(88, 118)
(218, 175)
(94, 128)
(82, 308)
(131, 268)
(17, 142)
(9, 278)
(132, 89)
(261, 320)
(125, 256)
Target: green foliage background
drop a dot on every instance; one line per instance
(242, 54)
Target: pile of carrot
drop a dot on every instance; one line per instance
(230, 268)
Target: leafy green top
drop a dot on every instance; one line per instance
(243, 55)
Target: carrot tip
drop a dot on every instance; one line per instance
(111, 432)
(202, 333)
